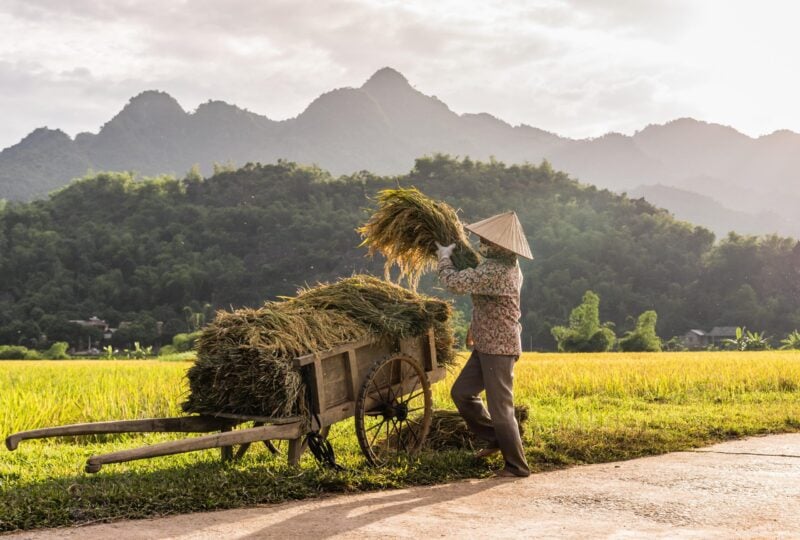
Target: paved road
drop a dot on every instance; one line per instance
(742, 489)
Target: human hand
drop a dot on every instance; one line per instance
(444, 252)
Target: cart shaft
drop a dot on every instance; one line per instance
(217, 440)
(186, 424)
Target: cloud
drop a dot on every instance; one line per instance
(577, 67)
(652, 18)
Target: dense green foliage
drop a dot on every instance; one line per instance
(643, 338)
(57, 351)
(181, 343)
(17, 352)
(585, 333)
(143, 251)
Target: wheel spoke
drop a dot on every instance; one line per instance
(399, 397)
(389, 383)
(377, 434)
(379, 424)
(376, 391)
(414, 432)
(401, 436)
(386, 399)
(389, 392)
(416, 380)
(420, 393)
(397, 443)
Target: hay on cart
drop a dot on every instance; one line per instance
(244, 357)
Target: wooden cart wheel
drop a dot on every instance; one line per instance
(393, 410)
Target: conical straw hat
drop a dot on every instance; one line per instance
(505, 230)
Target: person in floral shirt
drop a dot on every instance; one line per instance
(495, 286)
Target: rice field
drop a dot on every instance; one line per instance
(583, 409)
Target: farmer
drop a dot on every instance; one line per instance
(495, 331)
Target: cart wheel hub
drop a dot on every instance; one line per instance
(401, 411)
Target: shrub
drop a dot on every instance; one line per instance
(57, 351)
(792, 341)
(675, 344)
(584, 333)
(185, 342)
(748, 341)
(643, 338)
(167, 350)
(32, 354)
(13, 352)
(188, 356)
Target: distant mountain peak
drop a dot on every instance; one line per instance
(784, 134)
(42, 137)
(214, 107)
(43, 134)
(151, 107)
(690, 125)
(152, 102)
(386, 78)
(216, 104)
(148, 97)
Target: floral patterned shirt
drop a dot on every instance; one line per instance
(495, 289)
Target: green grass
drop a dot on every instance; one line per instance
(583, 409)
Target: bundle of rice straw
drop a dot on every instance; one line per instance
(450, 432)
(405, 229)
(244, 358)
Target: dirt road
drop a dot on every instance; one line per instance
(741, 489)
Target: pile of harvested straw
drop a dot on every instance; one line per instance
(450, 432)
(384, 307)
(244, 358)
(405, 229)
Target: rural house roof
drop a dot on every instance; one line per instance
(696, 332)
(723, 331)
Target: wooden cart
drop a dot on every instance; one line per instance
(385, 386)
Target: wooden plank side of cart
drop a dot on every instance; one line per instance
(335, 376)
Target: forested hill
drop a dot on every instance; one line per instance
(142, 252)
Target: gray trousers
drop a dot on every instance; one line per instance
(498, 427)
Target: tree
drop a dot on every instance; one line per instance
(57, 351)
(584, 333)
(643, 338)
(746, 340)
(792, 341)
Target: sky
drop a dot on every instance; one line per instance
(579, 68)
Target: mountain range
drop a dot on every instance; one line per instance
(706, 173)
